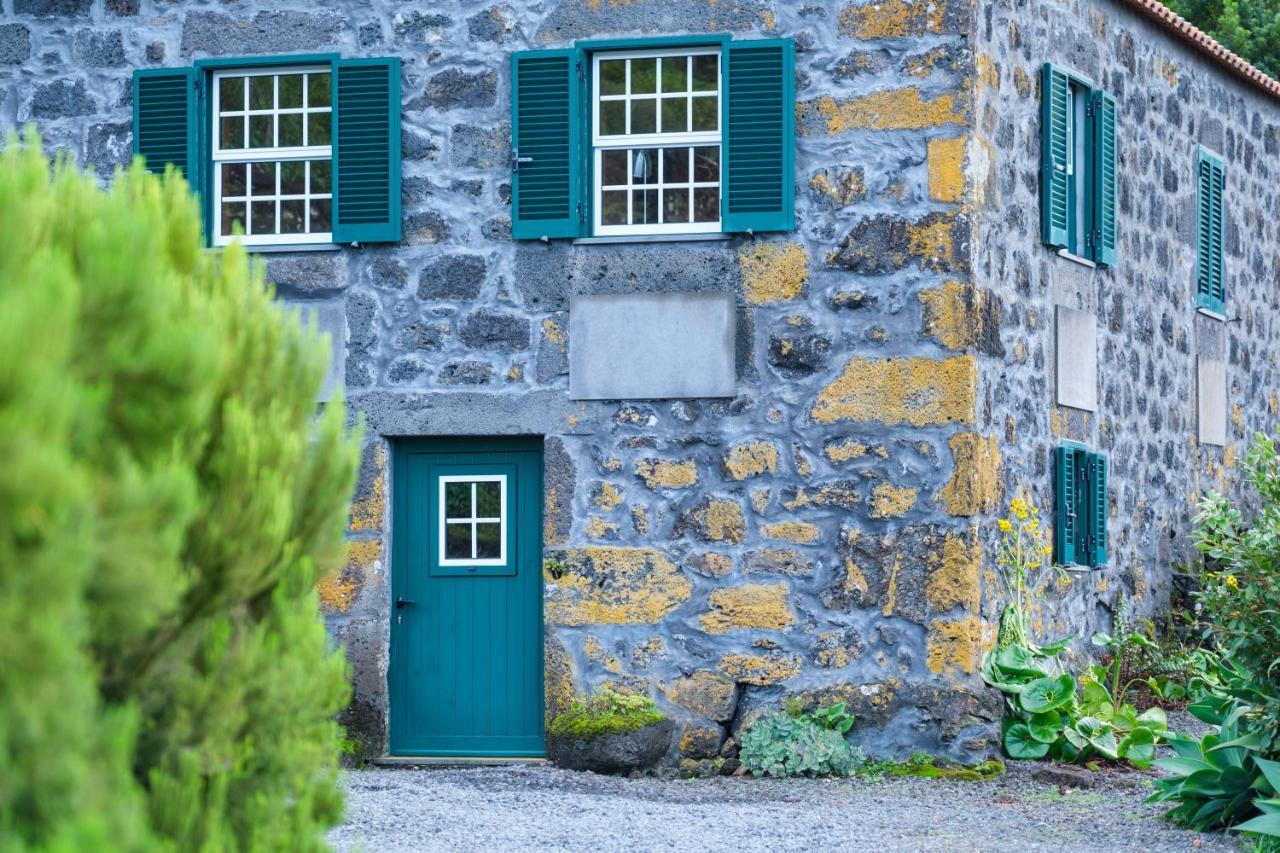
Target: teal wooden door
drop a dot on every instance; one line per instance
(466, 592)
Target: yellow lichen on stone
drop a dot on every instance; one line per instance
(761, 670)
(954, 644)
(959, 315)
(1230, 455)
(845, 450)
(1237, 417)
(667, 474)
(367, 511)
(891, 19)
(602, 585)
(721, 521)
(557, 676)
(1169, 71)
(751, 459)
(640, 519)
(833, 494)
(889, 501)
(799, 532)
(847, 187)
(854, 579)
(1274, 403)
(773, 272)
(760, 500)
(975, 481)
(801, 460)
(946, 168)
(599, 528)
(988, 72)
(895, 109)
(768, 20)
(554, 333)
(891, 594)
(338, 591)
(956, 582)
(930, 241)
(918, 391)
(608, 497)
(835, 650)
(761, 606)
(596, 652)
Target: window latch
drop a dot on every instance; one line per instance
(516, 159)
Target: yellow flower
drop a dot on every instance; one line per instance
(1086, 678)
(1230, 580)
(1033, 526)
(1018, 507)
(1004, 525)
(1047, 550)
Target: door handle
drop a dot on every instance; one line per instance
(404, 602)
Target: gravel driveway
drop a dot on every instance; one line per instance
(543, 808)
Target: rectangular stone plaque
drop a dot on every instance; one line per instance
(1211, 400)
(330, 319)
(646, 346)
(1077, 359)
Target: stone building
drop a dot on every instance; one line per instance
(698, 344)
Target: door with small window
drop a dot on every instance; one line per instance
(466, 624)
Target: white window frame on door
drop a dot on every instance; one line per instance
(688, 139)
(473, 520)
(222, 155)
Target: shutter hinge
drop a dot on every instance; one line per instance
(582, 72)
(516, 159)
(582, 212)
(197, 83)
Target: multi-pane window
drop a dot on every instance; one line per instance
(273, 156)
(656, 141)
(473, 520)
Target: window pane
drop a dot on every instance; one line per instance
(232, 132)
(706, 204)
(231, 94)
(264, 217)
(320, 215)
(318, 90)
(488, 541)
(644, 118)
(457, 541)
(261, 132)
(290, 91)
(675, 115)
(613, 79)
(263, 176)
(318, 128)
(232, 180)
(675, 73)
(488, 499)
(675, 165)
(293, 216)
(644, 207)
(293, 177)
(706, 164)
(675, 205)
(613, 208)
(613, 117)
(457, 500)
(290, 130)
(613, 168)
(320, 171)
(705, 73)
(262, 92)
(644, 76)
(706, 113)
(644, 168)
(232, 217)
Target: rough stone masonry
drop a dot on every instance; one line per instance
(825, 534)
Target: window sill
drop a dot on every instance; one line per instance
(297, 247)
(1211, 314)
(652, 238)
(1085, 262)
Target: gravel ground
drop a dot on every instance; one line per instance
(543, 808)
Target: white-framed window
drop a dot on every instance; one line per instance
(656, 141)
(473, 520)
(273, 155)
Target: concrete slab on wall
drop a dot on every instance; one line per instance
(645, 346)
(330, 319)
(1211, 400)
(1077, 359)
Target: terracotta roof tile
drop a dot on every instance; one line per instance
(1206, 44)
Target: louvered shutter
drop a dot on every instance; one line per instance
(1104, 178)
(164, 120)
(366, 150)
(546, 180)
(1054, 151)
(1065, 528)
(1210, 282)
(759, 136)
(1097, 510)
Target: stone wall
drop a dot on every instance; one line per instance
(1170, 99)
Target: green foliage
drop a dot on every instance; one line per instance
(1250, 28)
(793, 743)
(168, 500)
(924, 766)
(606, 713)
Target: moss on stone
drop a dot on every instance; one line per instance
(606, 713)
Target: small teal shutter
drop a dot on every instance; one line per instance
(1065, 518)
(1210, 181)
(1054, 151)
(1097, 509)
(1104, 186)
(546, 180)
(759, 135)
(366, 150)
(164, 120)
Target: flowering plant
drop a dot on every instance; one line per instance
(1022, 553)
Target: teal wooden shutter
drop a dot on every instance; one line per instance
(1210, 283)
(1055, 190)
(546, 138)
(758, 114)
(1097, 509)
(1065, 528)
(164, 120)
(1104, 178)
(366, 150)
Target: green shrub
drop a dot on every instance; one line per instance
(168, 499)
(606, 713)
(794, 743)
